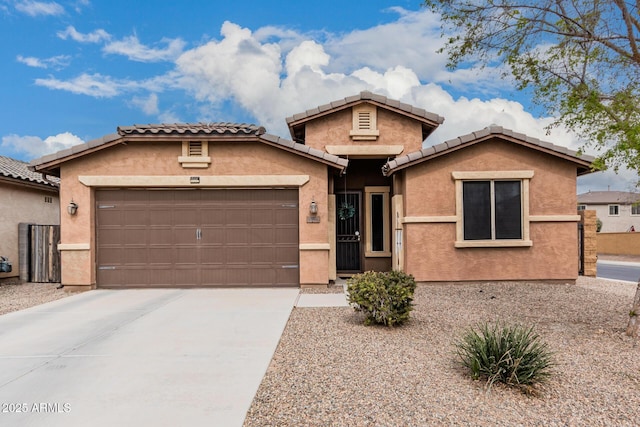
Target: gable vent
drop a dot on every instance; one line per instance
(364, 120)
(365, 123)
(195, 149)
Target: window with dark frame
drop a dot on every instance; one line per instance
(492, 210)
(377, 222)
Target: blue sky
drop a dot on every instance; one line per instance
(75, 70)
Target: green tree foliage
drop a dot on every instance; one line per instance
(579, 58)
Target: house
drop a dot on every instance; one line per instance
(25, 197)
(619, 211)
(220, 204)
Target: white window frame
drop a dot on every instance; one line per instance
(189, 160)
(368, 241)
(523, 176)
(364, 123)
(636, 207)
(582, 207)
(617, 208)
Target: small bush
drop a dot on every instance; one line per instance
(513, 355)
(385, 298)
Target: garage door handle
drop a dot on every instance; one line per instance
(198, 234)
(290, 266)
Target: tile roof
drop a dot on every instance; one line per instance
(607, 197)
(19, 170)
(148, 132)
(217, 128)
(367, 96)
(481, 135)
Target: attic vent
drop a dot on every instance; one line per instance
(195, 148)
(195, 154)
(364, 123)
(364, 120)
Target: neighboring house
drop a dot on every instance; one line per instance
(25, 197)
(222, 204)
(619, 211)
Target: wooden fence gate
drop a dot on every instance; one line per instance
(39, 256)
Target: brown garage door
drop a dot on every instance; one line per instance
(156, 238)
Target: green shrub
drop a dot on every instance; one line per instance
(385, 298)
(513, 355)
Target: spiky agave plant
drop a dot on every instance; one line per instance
(511, 354)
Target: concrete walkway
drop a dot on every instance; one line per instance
(140, 357)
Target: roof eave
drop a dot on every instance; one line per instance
(584, 165)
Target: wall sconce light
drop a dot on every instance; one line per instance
(72, 208)
(313, 208)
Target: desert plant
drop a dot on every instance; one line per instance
(511, 354)
(385, 298)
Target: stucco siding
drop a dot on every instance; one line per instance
(23, 204)
(394, 128)
(236, 158)
(616, 223)
(429, 192)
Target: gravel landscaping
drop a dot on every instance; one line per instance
(16, 296)
(329, 369)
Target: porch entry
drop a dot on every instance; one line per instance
(349, 232)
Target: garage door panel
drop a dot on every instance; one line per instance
(285, 236)
(212, 234)
(137, 216)
(287, 255)
(186, 217)
(134, 236)
(108, 216)
(237, 236)
(159, 235)
(185, 255)
(112, 235)
(262, 235)
(287, 276)
(212, 255)
(136, 255)
(184, 235)
(197, 237)
(160, 255)
(237, 217)
(286, 216)
(160, 216)
(161, 276)
(263, 217)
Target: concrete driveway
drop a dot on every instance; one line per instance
(157, 357)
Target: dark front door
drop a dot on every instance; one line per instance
(348, 232)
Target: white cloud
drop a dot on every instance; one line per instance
(59, 61)
(37, 8)
(148, 105)
(34, 146)
(238, 67)
(136, 51)
(93, 37)
(274, 72)
(95, 85)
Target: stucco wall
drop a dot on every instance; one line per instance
(395, 129)
(23, 204)
(429, 190)
(616, 223)
(618, 243)
(161, 159)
